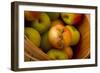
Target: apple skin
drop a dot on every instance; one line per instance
(69, 52)
(75, 34)
(71, 18)
(55, 54)
(56, 22)
(45, 44)
(59, 36)
(42, 24)
(31, 16)
(33, 35)
(53, 15)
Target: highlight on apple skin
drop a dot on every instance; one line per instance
(55, 54)
(33, 35)
(42, 24)
(59, 36)
(75, 34)
(72, 18)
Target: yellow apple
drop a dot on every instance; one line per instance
(75, 34)
(33, 35)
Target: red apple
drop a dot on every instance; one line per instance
(59, 36)
(30, 16)
(71, 18)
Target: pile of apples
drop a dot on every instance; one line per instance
(55, 33)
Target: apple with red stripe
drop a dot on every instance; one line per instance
(72, 18)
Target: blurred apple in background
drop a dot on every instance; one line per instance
(53, 15)
(45, 44)
(74, 33)
(42, 24)
(59, 36)
(33, 35)
(30, 15)
(71, 18)
(55, 54)
(69, 52)
(56, 22)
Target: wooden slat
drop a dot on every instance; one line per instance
(83, 48)
(28, 57)
(34, 50)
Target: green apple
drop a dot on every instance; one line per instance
(71, 18)
(33, 35)
(53, 15)
(59, 36)
(55, 54)
(75, 34)
(45, 44)
(42, 24)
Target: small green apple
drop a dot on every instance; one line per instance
(42, 24)
(71, 18)
(45, 44)
(55, 54)
(75, 34)
(53, 15)
(33, 35)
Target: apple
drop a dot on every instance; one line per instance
(55, 54)
(31, 16)
(75, 34)
(56, 22)
(42, 24)
(59, 36)
(33, 35)
(71, 18)
(45, 44)
(53, 15)
(69, 52)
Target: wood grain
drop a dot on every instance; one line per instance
(34, 50)
(83, 48)
(28, 57)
